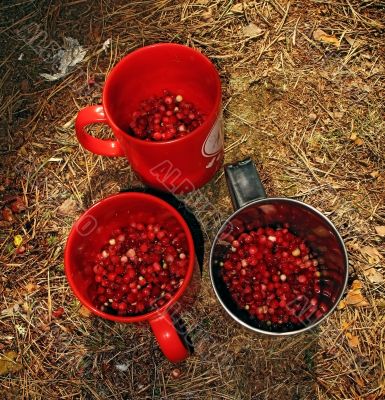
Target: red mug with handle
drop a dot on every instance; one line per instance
(93, 229)
(177, 166)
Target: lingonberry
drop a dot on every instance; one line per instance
(138, 269)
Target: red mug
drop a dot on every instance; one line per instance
(94, 228)
(177, 166)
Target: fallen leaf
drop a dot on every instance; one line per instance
(237, 8)
(208, 15)
(360, 382)
(380, 230)
(371, 253)
(18, 240)
(338, 114)
(68, 207)
(354, 296)
(8, 363)
(345, 325)
(18, 205)
(84, 312)
(353, 136)
(375, 174)
(7, 214)
(31, 287)
(373, 275)
(322, 36)
(353, 42)
(353, 340)
(380, 303)
(359, 141)
(251, 30)
(10, 311)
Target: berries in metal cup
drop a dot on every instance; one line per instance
(278, 266)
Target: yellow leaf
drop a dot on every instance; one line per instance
(322, 36)
(353, 340)
(18, 240)
(31, 287)
(380, 230)
(375, 174)
(84, 312)
(353, 136)
(345, 325)
(8, 363)
(359, 142)
(341, 305)
(356, 285)
(355, 297)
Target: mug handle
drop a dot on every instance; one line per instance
(170, 342)
(91, 115)
(244, 183)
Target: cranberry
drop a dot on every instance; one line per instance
(272, 274)
(138, 269)
(164, 118)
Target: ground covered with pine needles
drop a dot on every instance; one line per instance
(303, 86)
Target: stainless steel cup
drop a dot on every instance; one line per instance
(253, 207)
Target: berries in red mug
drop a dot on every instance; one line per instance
(140, 268)
(131, 258)
(163, 118)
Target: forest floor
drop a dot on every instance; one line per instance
(303, 95)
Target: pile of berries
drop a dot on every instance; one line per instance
(140, 268)
(164, 118)
(273, 275)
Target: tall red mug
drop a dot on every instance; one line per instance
(177, 166)
(93, 229)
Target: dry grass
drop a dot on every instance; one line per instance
(291, 102)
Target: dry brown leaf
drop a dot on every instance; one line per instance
(360, 382)
(373, 275)
(251, 30)
(322, 36)
(371, 253)
(85, 312)
(355, 297)
(359, 141)
(31, 287)
(237, 8)
(68, 208)
(375, 174)
(380, 230)
(8, 363)
(353, 340)
(354, 42)
(208, 15)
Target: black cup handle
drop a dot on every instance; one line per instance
(244, 183)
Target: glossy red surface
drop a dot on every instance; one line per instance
(93, 229)
(177, 166)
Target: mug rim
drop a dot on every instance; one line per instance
(137, 318)
(209, 121)
(335, 231)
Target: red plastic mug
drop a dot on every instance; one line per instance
(93, 229)
(177, 166)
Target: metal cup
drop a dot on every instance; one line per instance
(253, 208)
